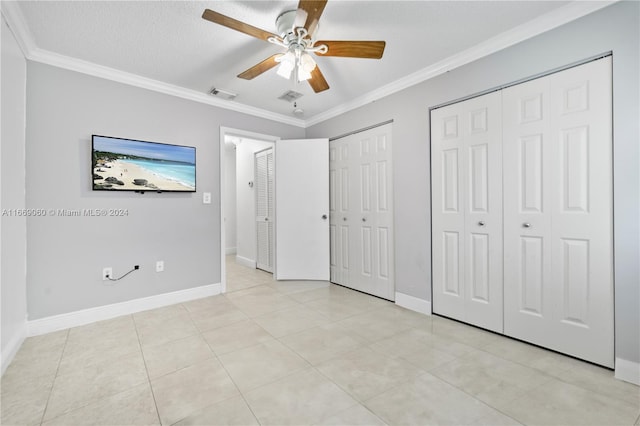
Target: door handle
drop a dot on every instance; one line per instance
(364, 219)
(266, 219)
(481, 223)
(344, 218)
(526, 225)
(324, 217)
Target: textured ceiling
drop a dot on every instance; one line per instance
(170, 42)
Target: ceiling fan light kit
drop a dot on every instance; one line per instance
(299, 43)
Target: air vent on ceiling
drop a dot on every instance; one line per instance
(290, 96)
(222, 94)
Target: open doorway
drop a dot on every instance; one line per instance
(239, 239)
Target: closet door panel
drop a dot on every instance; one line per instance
(528, 305)
(264, 209)
(339, 198)
(483, 211)
(467, 211)
(581, 211)
(374, 212)
(558, 220)
(448, 183)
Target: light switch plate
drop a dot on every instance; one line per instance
(206, 198)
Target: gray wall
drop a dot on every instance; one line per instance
(66, 254)
(13, 229)
(614, 28)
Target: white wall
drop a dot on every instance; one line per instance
(12, 181)
(230, 223)
(246, 201)
(65, 255)
(614, 28)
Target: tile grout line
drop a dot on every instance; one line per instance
(146, 369)
(232, 381)
(64, 347)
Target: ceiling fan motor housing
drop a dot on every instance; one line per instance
(285, 23)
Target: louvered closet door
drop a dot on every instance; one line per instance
(467, 211)
(264, 209)
(558, 212)
(339, 204)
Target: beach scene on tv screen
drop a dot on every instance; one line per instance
(122, 164)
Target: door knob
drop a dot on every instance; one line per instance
(324, 216)
(344, 218)
(526, 225)
(266, 219)
(364, 219)
(481, 223)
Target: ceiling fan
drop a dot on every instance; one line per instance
(296, 29)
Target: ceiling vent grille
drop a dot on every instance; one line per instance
(222, 94)
(290, 96)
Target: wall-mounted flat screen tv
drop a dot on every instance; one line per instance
(131, 165)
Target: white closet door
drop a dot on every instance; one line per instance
(558, 212)
(372, 242)
(467, 211)
(264, 209)
(362, 254)
(339, 204)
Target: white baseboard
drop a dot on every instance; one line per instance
(249, 263)
(413, 303)
(12, 347)
(628, 371)
(230, 250)
(87, 316)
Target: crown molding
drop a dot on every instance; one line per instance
(15, 20)
(90, 68)
(544, 23)
(18, 25)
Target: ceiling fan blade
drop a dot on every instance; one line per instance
(258, 69)
(314, 9)
(317, 81)
(353, 49)
(234, 24)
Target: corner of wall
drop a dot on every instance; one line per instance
(628, 371)
(413, 303)
(13, 346)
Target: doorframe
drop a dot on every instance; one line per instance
(229, 131)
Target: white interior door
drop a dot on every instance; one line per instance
(558, 212)
(466, 158)
(302, 209)
(264, 209)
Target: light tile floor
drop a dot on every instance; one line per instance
(300, 353)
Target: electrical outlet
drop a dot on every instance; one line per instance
(107, 273)
(159, 266)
